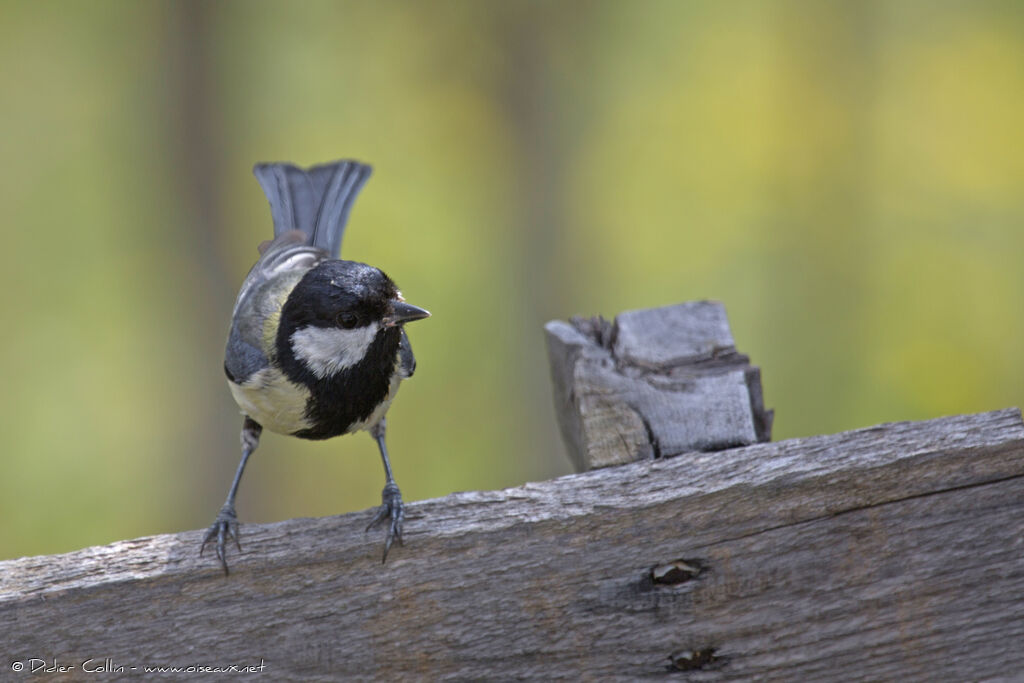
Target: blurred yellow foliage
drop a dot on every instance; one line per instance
(848, 177)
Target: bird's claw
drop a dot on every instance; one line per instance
(391, 508)
(223, 528)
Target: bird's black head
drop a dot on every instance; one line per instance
(342, 294)
(341, 314)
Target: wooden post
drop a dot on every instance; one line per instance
(893, 552)
(653, 383)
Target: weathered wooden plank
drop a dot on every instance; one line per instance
(653, 383)
(888, 552)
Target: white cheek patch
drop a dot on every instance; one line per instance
(329, 350)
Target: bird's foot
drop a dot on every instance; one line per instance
(392, 509)
(224, 528)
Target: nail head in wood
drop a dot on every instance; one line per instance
(677, 571)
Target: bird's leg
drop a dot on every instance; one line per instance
(226, 525)
(391, 498)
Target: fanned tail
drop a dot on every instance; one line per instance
(316, 200)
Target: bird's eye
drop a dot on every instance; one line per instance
(347, 320)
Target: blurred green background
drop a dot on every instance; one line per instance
(848, 177)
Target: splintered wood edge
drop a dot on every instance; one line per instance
(790, 464)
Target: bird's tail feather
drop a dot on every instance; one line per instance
(316, 200)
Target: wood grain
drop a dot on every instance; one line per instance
(653, 383)
(883, 553)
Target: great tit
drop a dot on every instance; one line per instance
(317, 346)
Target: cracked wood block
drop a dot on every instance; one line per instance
(653, 383)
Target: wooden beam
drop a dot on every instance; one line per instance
(883, 553)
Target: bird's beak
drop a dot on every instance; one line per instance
(402, 312)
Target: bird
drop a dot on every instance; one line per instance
(317, 345)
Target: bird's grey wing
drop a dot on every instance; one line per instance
(407, 360)
(264, 291)
(316, 200)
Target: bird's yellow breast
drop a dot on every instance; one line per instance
(273, 400)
